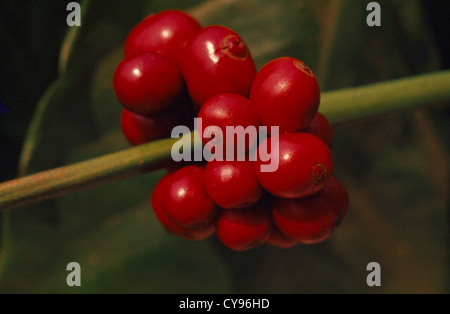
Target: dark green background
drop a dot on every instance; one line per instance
(58, 110)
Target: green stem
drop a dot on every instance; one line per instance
(341, 106)
(347, 105)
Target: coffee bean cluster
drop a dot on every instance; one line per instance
(173, 70)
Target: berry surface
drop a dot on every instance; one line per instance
(304, 165)
(185, 201)
(169, 225)
(216, 60)
(322, 128)
(147, 83)
(165, 32)
(279, 239)
(286, 94)
(232, 184)
(139, 129)
(244, 229)
(233, 111)
(312, 219)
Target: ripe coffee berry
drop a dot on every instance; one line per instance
(140, 129)
(243, 229)
(169, 225)
(232, 184)
(322, 128)
(215, 61)
(185, 201)
(147, 83)
(304, 165)
(279, 239)
(286, 94)
(232, 110)
(312, 219)
(165, 32)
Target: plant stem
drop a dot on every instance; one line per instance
(339, 107)
(347, 105)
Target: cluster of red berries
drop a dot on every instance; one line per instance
(175, 69)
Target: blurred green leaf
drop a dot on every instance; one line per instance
(30, 46)
(78, 118)
(396, 218)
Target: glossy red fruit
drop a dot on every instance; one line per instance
(147, 83)
(232, 184)
(139, 129)
(215, 61)
(322, 128)
(243, 229)
(231, 110)
(312, 219)
(186, 202)
(165, 32)
(279, 239)
(286, 94)
(304, 165)
(169, 225)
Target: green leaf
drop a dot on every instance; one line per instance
(25, 54)
(397, 208)
(78, 118)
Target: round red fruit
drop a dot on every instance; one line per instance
(286, 94)
(279, 239)
(232, 184)
(234, 111)
(147, 83)
(215, 61)
(322, 128)
(139, 129)
(243, 229)
(165, 32)
(300, 165)
(169, 225)
(312, 219)
(186, 202)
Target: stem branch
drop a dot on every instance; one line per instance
(339, 107)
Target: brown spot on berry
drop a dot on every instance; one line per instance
(252, 245)
(318, 172)
(233, 46)
(303, 67)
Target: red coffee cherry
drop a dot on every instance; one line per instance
(231, 110)
(338, 193)
(139, 129)
(232, 184)
(312, 219)
(169, 225)
(304, 165)
(279, 239)
(286, 94)
(185, 200)
(147, 83)
(215, 61)
(322, 128)
(243, 229)
(165, 32)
